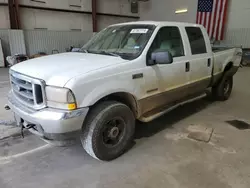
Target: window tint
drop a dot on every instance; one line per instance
(168, 38)
(196, 39)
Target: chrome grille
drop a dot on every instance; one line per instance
(27, 90)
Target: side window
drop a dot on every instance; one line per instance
(196, 39)
(168, 38)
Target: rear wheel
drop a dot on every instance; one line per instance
(224, 89)
(108, 130)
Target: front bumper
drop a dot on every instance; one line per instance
(48, 123)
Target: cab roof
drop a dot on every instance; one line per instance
(159, 23)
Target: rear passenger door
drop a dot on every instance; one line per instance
(200, 60)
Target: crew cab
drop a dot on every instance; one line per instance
(126, 72)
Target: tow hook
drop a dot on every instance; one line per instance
(7, 107)
(29, 126)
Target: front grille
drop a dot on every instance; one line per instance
(28, 90)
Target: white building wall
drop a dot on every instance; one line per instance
(84, 5)
(164, 10)
(120, 7)
(238, 13)
(51, 20)
(34, 18)
(4, 15)
(3, 1)
(65, 21)
(104, 21)
(238, 25)
(237, 31)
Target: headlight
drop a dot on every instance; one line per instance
(61, 98)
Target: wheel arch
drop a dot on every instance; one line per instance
(228, 66)
(123, 97)
(225, 69)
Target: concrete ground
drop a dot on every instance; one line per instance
(162, 155)
(6, 117)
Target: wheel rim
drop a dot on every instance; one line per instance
(113, 132)
(226, 87)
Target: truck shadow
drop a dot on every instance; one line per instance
(170, 119)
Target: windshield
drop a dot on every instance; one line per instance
(126, 41)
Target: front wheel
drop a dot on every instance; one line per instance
(108, 130)
(223, 90)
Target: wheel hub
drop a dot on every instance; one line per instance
(114, 132)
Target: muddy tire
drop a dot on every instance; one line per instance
(108, 130)
(223, 89)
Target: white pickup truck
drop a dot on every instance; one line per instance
(128, 71)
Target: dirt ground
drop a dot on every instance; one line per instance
(162, 155)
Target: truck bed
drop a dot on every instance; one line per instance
(222, 56)
(219, 49)
(223, 48)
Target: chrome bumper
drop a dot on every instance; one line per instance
(48, 123)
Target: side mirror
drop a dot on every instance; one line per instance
(161, 57)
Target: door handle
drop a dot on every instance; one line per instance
(209, 62)
(187, 66)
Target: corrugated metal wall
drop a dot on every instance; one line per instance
(34, 41)
(46, 41)
(17, 42)
(4, 35)
(237, 37)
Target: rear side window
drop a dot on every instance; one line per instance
(196, 39)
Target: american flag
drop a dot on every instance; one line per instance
(212, 15)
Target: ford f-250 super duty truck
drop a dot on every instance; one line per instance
(129, 71)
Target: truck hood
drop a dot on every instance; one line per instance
(58, 69)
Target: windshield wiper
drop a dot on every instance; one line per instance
(85, 51)
(101, 52)
(113, 54)
(109, 53)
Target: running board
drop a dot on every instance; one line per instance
(156, 115)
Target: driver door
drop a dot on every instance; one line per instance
(171, 79)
